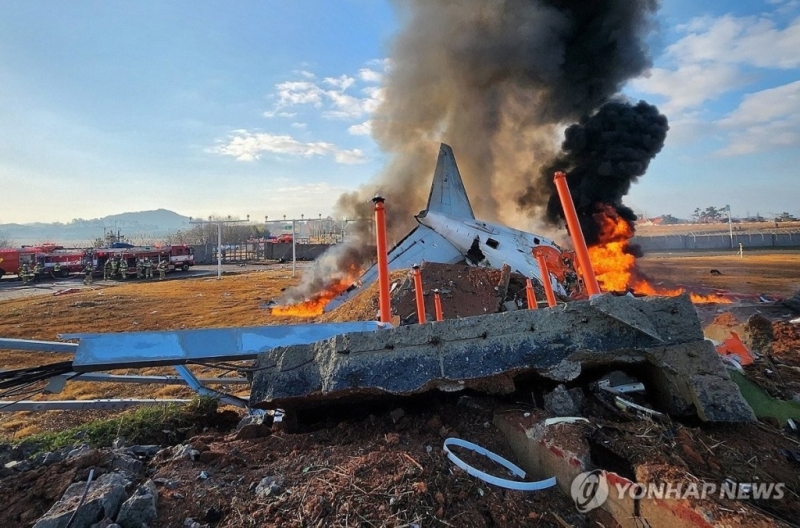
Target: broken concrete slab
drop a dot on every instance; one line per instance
(486, 353)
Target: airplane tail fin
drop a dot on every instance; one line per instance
(448, 195)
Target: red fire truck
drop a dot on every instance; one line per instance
(55, 260)
(181, 256)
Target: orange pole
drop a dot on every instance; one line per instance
(581, 251)
(437, 302)
(548, 287)
(421, 317)
(383, 261)
(532, 305)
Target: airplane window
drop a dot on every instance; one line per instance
(536, 241)
(492, 243)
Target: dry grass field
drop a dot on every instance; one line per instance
(236, 301)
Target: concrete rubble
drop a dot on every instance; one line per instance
(659, 335)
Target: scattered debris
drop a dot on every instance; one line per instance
(491, 479)
(563, 402)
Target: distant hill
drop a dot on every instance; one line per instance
(141, 227)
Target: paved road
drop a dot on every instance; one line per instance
(12, 288)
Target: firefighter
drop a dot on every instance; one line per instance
(148, 268)
(139, 268)
(24, 274)
(123, 269)
(56, 270)
(88, 270)
(162, 269)
(37, 271)
(114, 267)
(107, 270)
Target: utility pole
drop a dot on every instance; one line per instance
(219, 236)
(730, 225)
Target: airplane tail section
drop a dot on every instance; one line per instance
(448, 195)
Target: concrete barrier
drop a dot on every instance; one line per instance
(717, 241)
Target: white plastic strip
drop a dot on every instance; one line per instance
(491, 479)
(565, 419)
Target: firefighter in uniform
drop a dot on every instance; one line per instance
(107, 270)
(162, 269)
(148, 268)
(114, 267)
(24, 274)
(123, 269)
(37, 271)
(88, 270)
(56, 270)
(139, 268)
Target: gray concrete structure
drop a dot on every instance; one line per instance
(662, 336)
(717, 241)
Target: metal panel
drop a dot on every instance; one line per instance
(158, 380)
(79, 405)
(142, 349)
(37, 346)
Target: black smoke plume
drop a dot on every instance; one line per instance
(495, 79)
(603, 155)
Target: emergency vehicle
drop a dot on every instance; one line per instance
(48, 255)
(181, 256)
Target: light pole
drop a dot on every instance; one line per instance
(219, 223)
(730, 225)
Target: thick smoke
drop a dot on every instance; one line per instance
(497, 80)
(602, 156)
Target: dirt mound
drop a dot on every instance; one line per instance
(465, 291)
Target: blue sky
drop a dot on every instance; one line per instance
(263, 107)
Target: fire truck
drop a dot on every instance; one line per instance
(55, 260)
(181, 256)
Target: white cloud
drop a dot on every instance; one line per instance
(305, 73)
(362, 129)
(751, 41)
(248, 146)
(708, 61)
(299, 92)
(298, 125)
(367, 75)
(343, 82)
(689, 85)
(764, 120)
(338, 97)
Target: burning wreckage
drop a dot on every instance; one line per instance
(659, 335)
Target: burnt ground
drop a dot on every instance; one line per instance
(357, 466)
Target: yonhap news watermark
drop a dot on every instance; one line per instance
(591, 490)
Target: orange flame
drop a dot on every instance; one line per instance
(316, 304)
(615, 266)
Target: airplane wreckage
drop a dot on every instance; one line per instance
(302, 367)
